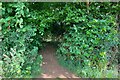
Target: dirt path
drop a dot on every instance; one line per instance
(50, 66)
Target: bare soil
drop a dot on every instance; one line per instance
(50, 66)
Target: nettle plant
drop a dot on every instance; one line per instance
(19, 48)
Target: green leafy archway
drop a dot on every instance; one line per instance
(88, 32)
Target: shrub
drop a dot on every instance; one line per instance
(19, 47)
(87, 45)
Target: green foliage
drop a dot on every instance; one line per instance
(19, 48)
(86, 46)
(89, 35)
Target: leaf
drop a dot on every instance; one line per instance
(103, 53)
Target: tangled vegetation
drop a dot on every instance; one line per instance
(89, 37)
(19, 44)
(90, 47)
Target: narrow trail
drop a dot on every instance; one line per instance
(50, 66)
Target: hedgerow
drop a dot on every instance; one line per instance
(91, 42)
(19, 47)
(89, 33)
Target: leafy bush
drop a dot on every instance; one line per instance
(19, 47)
(87, 45)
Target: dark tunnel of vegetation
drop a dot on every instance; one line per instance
(89, 37)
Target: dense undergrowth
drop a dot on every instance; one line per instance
(19, 44)
(90, 48)
(89, 35)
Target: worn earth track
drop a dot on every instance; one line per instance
(50, 66)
